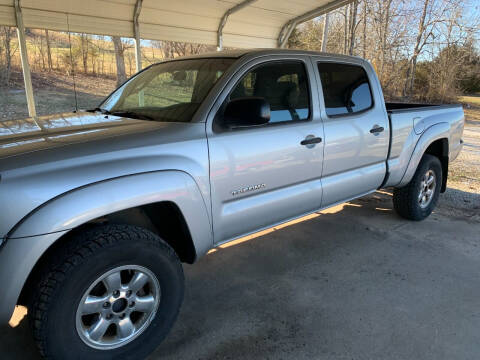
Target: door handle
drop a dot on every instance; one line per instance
(376, 130)
(311, 140)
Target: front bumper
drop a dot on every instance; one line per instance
(17, 258)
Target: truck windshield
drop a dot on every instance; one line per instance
(170, 91)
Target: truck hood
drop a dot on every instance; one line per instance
(40, 161)
(18, 137)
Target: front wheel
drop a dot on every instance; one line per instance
(418, 198)
(113, 291)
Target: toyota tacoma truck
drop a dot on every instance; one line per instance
(101, 207)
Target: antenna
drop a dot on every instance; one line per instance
(72, 64)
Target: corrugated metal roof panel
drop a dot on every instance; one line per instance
(256, 25)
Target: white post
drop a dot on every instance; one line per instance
(325, 33)
(27, 78)
(138, 49)
(136, 32)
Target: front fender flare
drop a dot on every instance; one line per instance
(29, 239)
(433, 133)
(78, 206)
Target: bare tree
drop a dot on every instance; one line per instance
(119, 59)
(7, 34)
(419, 44)
(352, 26)
(49, 51)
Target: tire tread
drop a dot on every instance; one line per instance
(75, 250)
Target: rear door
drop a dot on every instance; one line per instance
(356, 130)
(262, 175)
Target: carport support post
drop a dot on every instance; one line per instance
(224, 19)
(138, 49)
(136, 32)
(27, 78)
(287, 29)
(325, 33)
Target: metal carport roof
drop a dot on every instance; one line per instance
(256, 23)
(231, 23)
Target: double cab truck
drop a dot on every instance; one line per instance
(101, 207)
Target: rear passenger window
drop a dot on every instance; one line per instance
(284, 85)
(346, 89)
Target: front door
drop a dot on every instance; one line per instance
(263, 175)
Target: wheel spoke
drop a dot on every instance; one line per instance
(98, 329)
(420, 196)
(93, 304)
(125, 327)
(430, 180)
(113, 281)
(144, 304)
(138, 282)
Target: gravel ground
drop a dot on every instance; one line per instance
(463, 194)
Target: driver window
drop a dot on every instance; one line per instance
(283, 85)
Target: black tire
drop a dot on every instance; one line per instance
(406, 199)
(76, 264)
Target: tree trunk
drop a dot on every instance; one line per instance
(353, 23)
(410, 76)
(49, 52)
(364, 42)
(8, 53)
(386, 20)
(84, 49)
(120, 60)
(345, 29)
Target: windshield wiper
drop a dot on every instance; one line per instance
(131, 114)
(97, 109)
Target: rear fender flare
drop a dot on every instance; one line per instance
(433, 133)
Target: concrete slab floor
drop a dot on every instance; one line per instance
(356, 282)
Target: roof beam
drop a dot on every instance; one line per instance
(224, 19)
(288, 27)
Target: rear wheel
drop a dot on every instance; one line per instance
(418, 198)
(112, 291)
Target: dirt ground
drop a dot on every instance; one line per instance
(352, 282)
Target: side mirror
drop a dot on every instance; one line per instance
(246, 111)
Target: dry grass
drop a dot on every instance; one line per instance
(472, 100)
(465, 170)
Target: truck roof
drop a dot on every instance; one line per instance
(238, 53)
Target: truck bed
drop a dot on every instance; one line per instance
(400, 107)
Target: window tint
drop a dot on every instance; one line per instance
(283, 85)
(345, 88)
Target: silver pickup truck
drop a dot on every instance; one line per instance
(100, 207)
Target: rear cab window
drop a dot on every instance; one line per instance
(346, 89)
